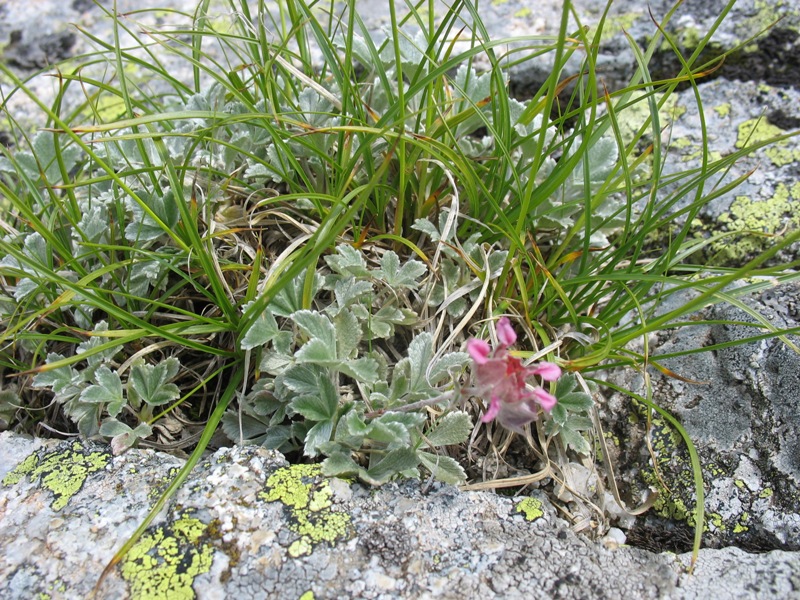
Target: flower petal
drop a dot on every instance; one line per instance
(491, 412)
(478, 350)
(547, 371)
(506, 333)
(545, 400)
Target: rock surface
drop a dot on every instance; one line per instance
(740, 407)
(245, 524)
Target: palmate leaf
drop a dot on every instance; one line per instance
(316, 326)
(123, 437)
(398, 277)
(108, 389)
(263, 330)
(452, 428)
(443, 468)
(144, 227)
(348, 261)
(148, 383)
(394, 463)
(321, 405)
(382, 324)
(316, 436)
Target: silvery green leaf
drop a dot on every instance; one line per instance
(301, 379)
(396, 276)
(348, 334)
(558, 415)
(258, 170)
(428, 228)
(349, 290)
(143, 226)
(86, 415)
(315, 108)
(400, 379)
(363, 369)
(497, 260)
(65, 381)
(452, 361)
(112, 427)
(602, 158)
(457, 307)
(452, 428)
(316, 436)
(321, 405)
(393, 434)
(247, 429)
(313, 408)
(348, 261)
(275, 362)
(474, 89)
(382, 323)
(144, 275)
(412, 58)
(125, 439)
(395, 462)
(476, 148)
(358, 47)
(148, 383)
(443, 468)
(262, 330)
(35, 248)
(316, 326)
(290, 299)
(318, 352)
(108, 389)
(339, 464)
(94, 226)
(44, 157)
(576, 401)
(354, 424)
(24, 288)
(410, 420)
(573, 438)
(420, 354)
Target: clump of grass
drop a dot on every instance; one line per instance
(297, 241)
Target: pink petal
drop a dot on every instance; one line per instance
(516, 416)
(545, 400)
(506, 333)
(547, 371)
(491, 412)
(478, 350)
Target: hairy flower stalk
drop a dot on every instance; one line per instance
(502, 378)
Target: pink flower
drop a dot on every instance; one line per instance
(501, 378)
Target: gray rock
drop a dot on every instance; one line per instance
(247, 525)
(741, 408)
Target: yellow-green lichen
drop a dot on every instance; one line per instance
(741, 525)
(637, 111)
(163, 564)
(309, 595)
(613, 26)
(766, 493)
(523, 12)
(62, 471)
(770, 217)
(531, 508)
(754, 131)
(308, 495)
(723, 110)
